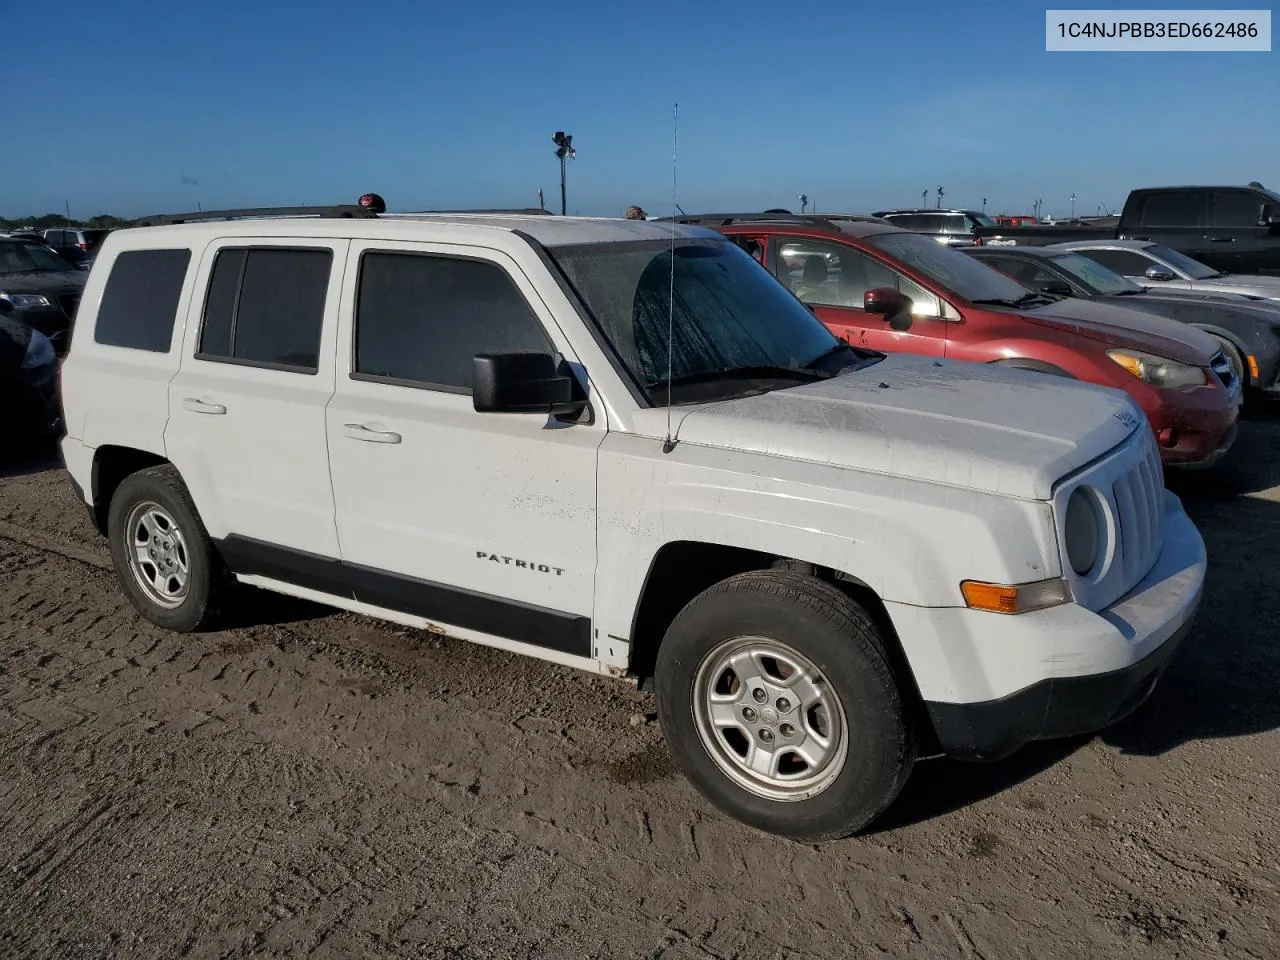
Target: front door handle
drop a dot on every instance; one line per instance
(196, 405)
(358, 431)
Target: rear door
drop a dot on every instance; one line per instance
(1235, 237)
(1175, 218)
(832, 278)
(247, 407)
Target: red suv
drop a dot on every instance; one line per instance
(892, 290)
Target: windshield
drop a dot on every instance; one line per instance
(1194, 269)
(1094, 275)
(983, 220)
(23, 257)
(956, 272)
(727, 311)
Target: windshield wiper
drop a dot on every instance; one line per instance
(762, 371)
(1022, 301)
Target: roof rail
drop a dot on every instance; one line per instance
(512, 212)
(369, 205)
(250, 213)
(725, 219)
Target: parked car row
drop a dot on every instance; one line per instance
(704, 459)
(1229, 229)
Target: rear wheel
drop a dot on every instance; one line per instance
(162, 555)
(778, 700)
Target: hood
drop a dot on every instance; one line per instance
(1247, 283)
(1206, 309)
(1117, 326)
(997, 430)
(60, 281)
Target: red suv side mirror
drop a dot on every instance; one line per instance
(889, 303)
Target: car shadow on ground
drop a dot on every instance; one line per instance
(19, 459)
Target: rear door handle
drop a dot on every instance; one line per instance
(358, 431)
(196, 405)
(1221, 239)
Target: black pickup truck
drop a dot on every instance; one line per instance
(1232, 229)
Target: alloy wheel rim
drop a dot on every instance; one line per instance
(769, 719)
(158, 556)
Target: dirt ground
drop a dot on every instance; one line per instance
(318, 784)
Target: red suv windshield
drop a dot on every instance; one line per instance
(954, 271)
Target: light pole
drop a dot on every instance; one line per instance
(924, 197)
(984, 204)
(804, 202)
(565, 151)
(1073, 206)
(939, 197)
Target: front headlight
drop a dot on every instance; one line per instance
(1158, 371)
(21, 301)
(1081, 531)
(39, 352)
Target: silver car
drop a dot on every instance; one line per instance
(1163, 269)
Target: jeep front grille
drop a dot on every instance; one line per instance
(1139, 499)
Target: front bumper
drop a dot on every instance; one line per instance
(1195, 428)
(992, 683)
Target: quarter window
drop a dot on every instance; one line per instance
(265, 307)
(422, 319)
(140, 301)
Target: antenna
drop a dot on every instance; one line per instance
(670, 444)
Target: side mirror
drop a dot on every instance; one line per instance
(890, 304)
(522, 382)
(1057, 288)
(1158, 272)
(1267, 217)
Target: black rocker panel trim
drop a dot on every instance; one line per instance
(523, 622)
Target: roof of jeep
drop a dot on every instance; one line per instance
(549, 231)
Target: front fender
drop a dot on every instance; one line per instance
(911, 542)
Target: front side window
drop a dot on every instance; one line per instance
(706, 299)
(265, 307)
(422, 319)
(1127, 263)
(1185, 265)
(1235, 208)
(834, 275)
(949, 269)
(140, 301)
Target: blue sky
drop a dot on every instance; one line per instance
(452, 105)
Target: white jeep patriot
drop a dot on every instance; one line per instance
(622, 446)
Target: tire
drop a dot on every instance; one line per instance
(157, 498)
(816, 627)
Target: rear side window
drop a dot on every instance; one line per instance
(265, 307)
(422, 319)
(141, 299)
(1180, 209)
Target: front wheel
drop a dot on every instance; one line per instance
(778, 700)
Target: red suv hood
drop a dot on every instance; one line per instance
(1121, 327)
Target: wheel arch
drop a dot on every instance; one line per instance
(683, 569)
(111, 465)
